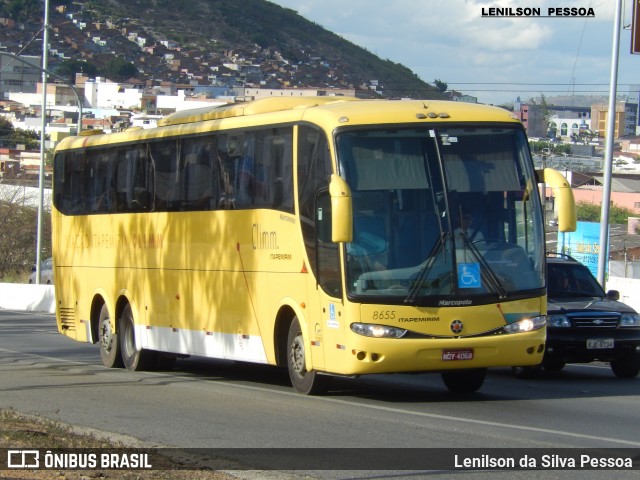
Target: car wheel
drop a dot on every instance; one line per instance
(464, 381)
(108, 341)
(626, 367)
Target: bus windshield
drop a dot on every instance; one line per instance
(448, 212)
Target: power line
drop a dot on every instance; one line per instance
(537, 84)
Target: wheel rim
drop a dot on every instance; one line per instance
(297, 355)
(106, 335)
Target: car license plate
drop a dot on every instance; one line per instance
(599, 343)
(453, 355)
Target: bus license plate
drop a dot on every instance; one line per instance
(598, 343)
(453, 355)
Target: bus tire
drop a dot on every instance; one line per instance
(464, 381)
(526, 373)
(134, 360)
(302, 380)
(553, 365)
(108, 341)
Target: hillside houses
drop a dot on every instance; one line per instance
(75, 35)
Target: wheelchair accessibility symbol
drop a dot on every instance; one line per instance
(469, 275)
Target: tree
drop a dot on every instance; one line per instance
(440, 85)
(11, 137)
(21, 10)
(118, 68)
(6, 132)
(69, 68)
(591, 212)
(18, 221)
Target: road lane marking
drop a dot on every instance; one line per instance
(360, 406)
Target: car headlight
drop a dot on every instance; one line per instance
(526, 325)
(377, 331)
(630, 320)
(558, 321)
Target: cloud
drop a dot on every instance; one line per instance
(451, 41)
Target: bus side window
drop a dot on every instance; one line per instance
(198, 174)
(227, 198)
(168, 193)
(273, 169)
(77, 188)
(141, 196)
(121, 175)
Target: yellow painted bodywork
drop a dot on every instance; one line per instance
(232, 271)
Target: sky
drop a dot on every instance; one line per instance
(496, 59)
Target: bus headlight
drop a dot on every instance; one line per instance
(630, 320)
(558, 321)
(377, 331)
(526, 325)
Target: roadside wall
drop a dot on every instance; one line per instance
(23, 296)
(41, 298)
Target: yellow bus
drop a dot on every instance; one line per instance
(332, 236)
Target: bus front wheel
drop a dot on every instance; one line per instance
(464, 381)
(108, 340)
(303, 381)
(133, 359)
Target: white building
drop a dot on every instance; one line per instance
(182, 101)
(566, 128)
(101, 93)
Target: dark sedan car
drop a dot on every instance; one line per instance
(585, 324)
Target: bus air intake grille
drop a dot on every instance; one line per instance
(68, 319)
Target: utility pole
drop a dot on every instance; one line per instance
(608, 158)
(45, 56)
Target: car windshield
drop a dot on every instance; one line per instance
(441, 213)
(570, 280)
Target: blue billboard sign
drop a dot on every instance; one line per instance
(583, 245)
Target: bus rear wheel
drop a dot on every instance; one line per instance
(464, 381)
(133, 359)
(108, 341)
(303, 381)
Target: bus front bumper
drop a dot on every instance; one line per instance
(377, 355)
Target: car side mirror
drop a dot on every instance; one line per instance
(613, 295)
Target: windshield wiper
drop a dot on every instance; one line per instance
(428, 265)
(486, 270)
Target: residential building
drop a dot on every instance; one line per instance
(19, 75)
(625, 121)
(553, 121)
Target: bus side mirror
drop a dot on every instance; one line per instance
(341, 209)
(564, 198)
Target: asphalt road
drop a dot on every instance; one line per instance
(202, 403)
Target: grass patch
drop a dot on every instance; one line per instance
(31, 432)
